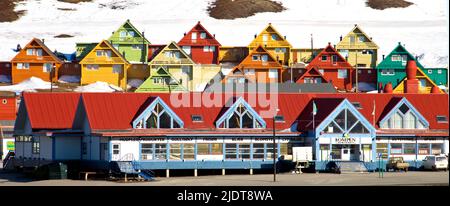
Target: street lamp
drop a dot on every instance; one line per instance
(274, 152)
(51, 76)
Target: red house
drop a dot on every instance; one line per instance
(333, 67)
(202, 47)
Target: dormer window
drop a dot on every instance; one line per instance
(357, 105)
(203, 35)
(404, 116)
(279, 118)
(256, 58)
(441, 119)
(324, 58)
(157, 116)
(242, 116)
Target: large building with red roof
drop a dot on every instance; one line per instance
(229, 131)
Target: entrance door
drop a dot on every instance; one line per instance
(345, 153)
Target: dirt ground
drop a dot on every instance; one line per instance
(232, 9)
(7, 11)
(74, 1)
(422, 178)
(386, 4)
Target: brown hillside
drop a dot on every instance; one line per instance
(7, 11)
(232, 9)
(386, 4)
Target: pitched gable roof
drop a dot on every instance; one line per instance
(357, 30)
(387, 63)
(312, 72)
(248, 62)
(109, 46)
(41, 45)
(269, 29)
(329, 51)
(209, 40)
(149, 86)
(171, 46)
(128, 24)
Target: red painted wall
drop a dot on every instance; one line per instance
(8, 108)
(331, 75)
(201, 57)
(366, 75)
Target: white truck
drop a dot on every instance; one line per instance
(435, 162)
(301, 156)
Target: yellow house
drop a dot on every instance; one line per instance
(104, 63)
(274, 43)
(359, 49)
(175, 61)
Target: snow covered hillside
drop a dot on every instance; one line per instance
(422, 27)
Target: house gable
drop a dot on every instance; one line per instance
(269, 37)
(198, 29)
(398, 63)
(425, 81)
(260, 52)
(352, 41)
(127, 34)
(46, 55)
(160, 81)
(172, 54)
(403, 109)
(329, 63)
(312, 73)
(93, 58)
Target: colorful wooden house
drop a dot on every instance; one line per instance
(438, 75)
(176, 62)
(333, 67)
(258, 67)
(161, 81)
(35, 59)
(274, 43)
(416, 81)
(131, 43)
(200, 45)
(312, 76)
(392, 68)
(359, 49)
(104, 63)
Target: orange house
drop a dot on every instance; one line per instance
(258, 67)
(35, 59)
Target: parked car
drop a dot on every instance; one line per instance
(435, 162)
(396, 164)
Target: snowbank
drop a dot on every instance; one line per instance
(69, 79)
(98, 87)
(30, 84)
(5, 79)
(134, 83)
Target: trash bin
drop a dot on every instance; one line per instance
(57, 171)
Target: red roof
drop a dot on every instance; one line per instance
(329, 51)
(51, 110)
(210, 40)
(116, 111)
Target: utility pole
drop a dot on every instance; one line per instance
(274, 152)
(356, 76)
(51, 76)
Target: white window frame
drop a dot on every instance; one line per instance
(93, 67)
(30, 52)
(273, 73)
(326, 58)
(117, 69)
(341, 73)
(203, 35)
(396, 58)
(194, 35)
(439, 71)
(19, 66)
(47, 67)
(258, 57)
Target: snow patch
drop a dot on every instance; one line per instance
(5, 79)
(69, 79)
(98, 87)
(30, 84)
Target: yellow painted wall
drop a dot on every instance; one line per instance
(355, 48)
(177, 72)
(265, 38)
(104, 74)
(203, 74)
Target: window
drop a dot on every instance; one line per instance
(430, 71)
(352, 39)
(206, 48)
(396, 148)
(197, 118)
(209, 48)
(258, 151)
(264, 58)
(100, 53)
(131, 33)
(439, 71)
(188, 151)
(279, 118)
(36, 146)
(345, 122)
(321, 71)
(404, 60)
(19, 66)
(273, 73)
(175, 152)
(249, 71)
(116, 149)
(409, 149)
(47, 67)
(194, 35)
(92, 66)
(137, 46)
(146, 151)
(424, 149)
(387, 72)
(230, 151)
(396, 58)
(334, 58)
(159, 117)
(436, 149)
(342, 73)
(209, 149)
(256, 58)
(369, 71)
(244, 151)
(241, 117)
(270, 152)
(403, 118)
(362, 39)
(280, 50)
(274, 37)
(26, 65)
(160, 152)
(123, 34)
(203, 35)
(117, 69)
(39, 52)
(441, 119)
(30, 52)
(357, 105)
(324, 58)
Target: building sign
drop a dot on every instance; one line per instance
(344, 140)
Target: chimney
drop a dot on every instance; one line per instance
(380, 87)
(184, 33)
(43, 41)
(198, 22)
(255, 36)
(334, 45)
(214, 35)
(411, 84)
(435, 90)
(356, 25)
(388, 88)
(340, 38)
(383, 56)
(285, 37)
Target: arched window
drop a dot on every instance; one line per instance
(158, 116)
(403, 118)
(345, 122)
(241, 116)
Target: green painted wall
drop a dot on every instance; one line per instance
(129, 41)
(437, 75)
(161, 81)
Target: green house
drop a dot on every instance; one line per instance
(437, 75)
(161, 81)
(131, 43)
(392, 68)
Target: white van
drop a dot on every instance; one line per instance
(435, 162)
